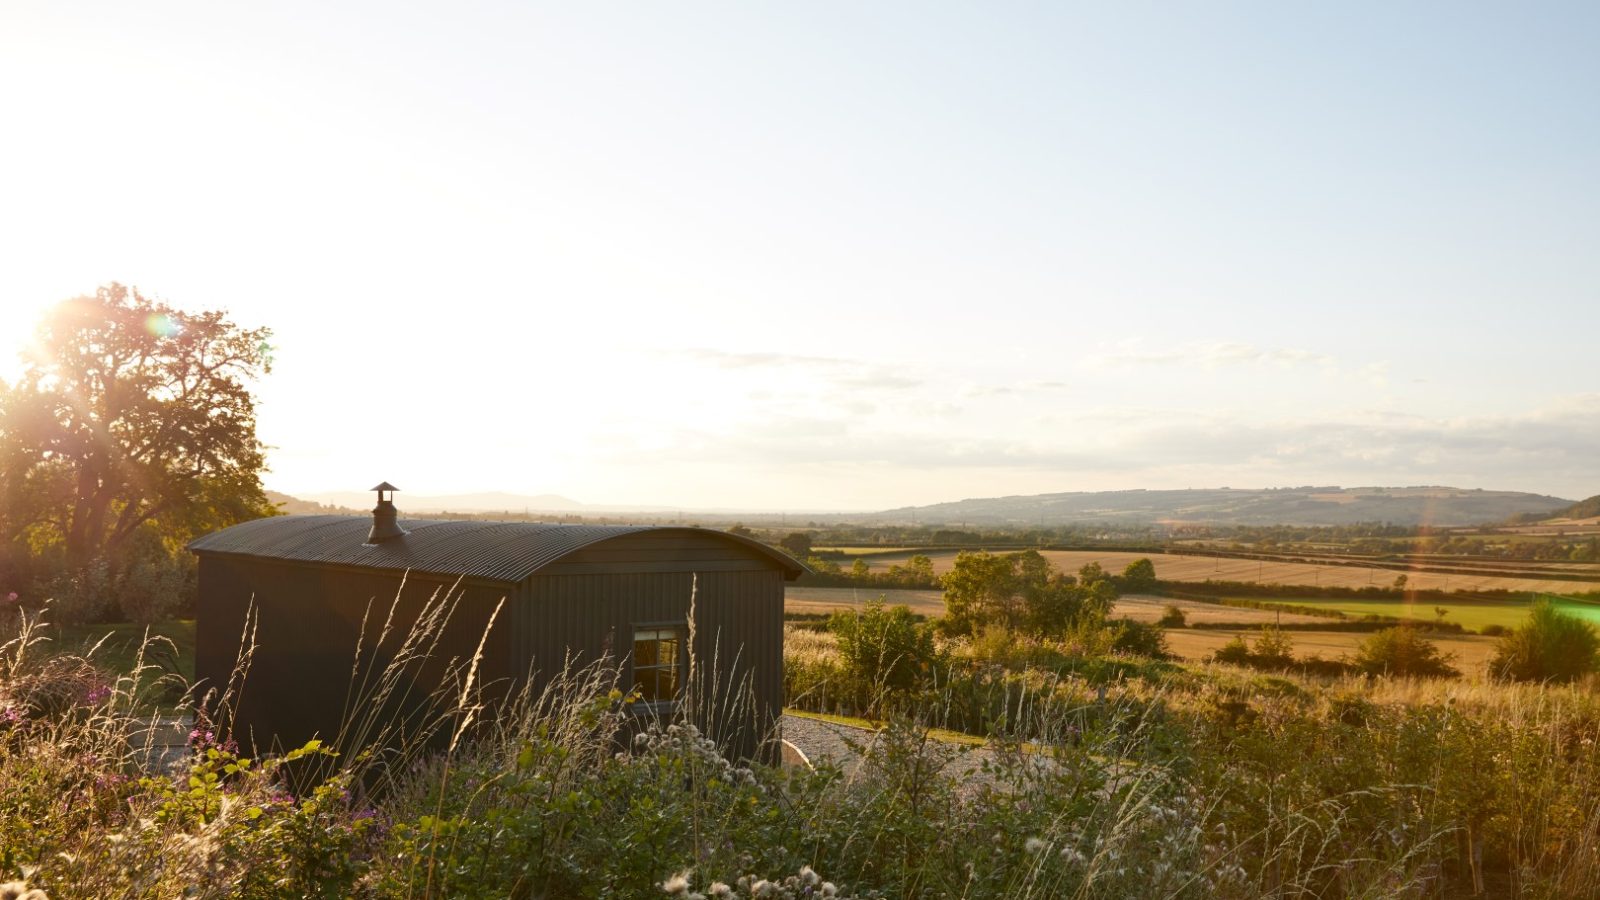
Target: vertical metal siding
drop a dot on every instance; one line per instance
(738, 636)
(310, 617)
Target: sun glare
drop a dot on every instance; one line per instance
(18, 321)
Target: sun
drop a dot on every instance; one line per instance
(18, 322)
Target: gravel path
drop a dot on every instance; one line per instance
(820, 740)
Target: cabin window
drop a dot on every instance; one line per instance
(657, 662)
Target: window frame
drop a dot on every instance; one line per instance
(679, 666)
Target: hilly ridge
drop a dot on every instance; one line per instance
(1423, 505)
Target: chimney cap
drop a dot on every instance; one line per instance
(384, 486)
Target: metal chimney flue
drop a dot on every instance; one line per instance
(385, 518)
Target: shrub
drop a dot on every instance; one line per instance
(1173, 617)
(1235, 652)
(885, 646)
(1403, 651)
(1137, 638)
(1273, 649)
(1550, 646)
(83, 596)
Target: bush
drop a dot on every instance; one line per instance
(885, 646)
(1403, 651)
(81, 597)
(1273, 651)
(1173, 617)
(1550, 646)
(1235, 653)
(1138, 638)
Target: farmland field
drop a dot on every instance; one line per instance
(1221, 568)
(1143, 608)
(1139, 607)
(1472, 651)
(1473, 614)
(830, 599)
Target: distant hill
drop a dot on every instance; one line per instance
(1229, 506)
(294, 506)
(1583, 509)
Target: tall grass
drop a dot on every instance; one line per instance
(1100, 778)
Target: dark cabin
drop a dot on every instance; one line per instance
(573, 595)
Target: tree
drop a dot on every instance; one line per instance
(1019, 592)
(1549, 646)
(917, 572)
(1140, 575)
(131, 414)
(798, 543)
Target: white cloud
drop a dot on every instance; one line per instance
(1163, 448)
(1209, 355)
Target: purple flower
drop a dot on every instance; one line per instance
(11, 597)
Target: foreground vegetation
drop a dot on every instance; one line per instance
(1105, 772)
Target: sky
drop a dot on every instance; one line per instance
(833, 255)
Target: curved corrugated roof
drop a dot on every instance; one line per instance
(495, 551)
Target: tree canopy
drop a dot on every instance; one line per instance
(1021, 592)
(130, 416)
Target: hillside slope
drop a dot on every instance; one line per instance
(1228, 506)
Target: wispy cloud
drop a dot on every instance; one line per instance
(1210, 355)
(1159, 448)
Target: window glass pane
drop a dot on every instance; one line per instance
(644, 653)
(655, 663)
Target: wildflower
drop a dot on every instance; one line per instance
(11, 597)
(1034, 845)
(828, 889)
(721, 891)
(808, 876)
(677, 884)
(18, 890)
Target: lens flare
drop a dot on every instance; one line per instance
(161, 326)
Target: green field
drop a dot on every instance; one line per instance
(1473, 614)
